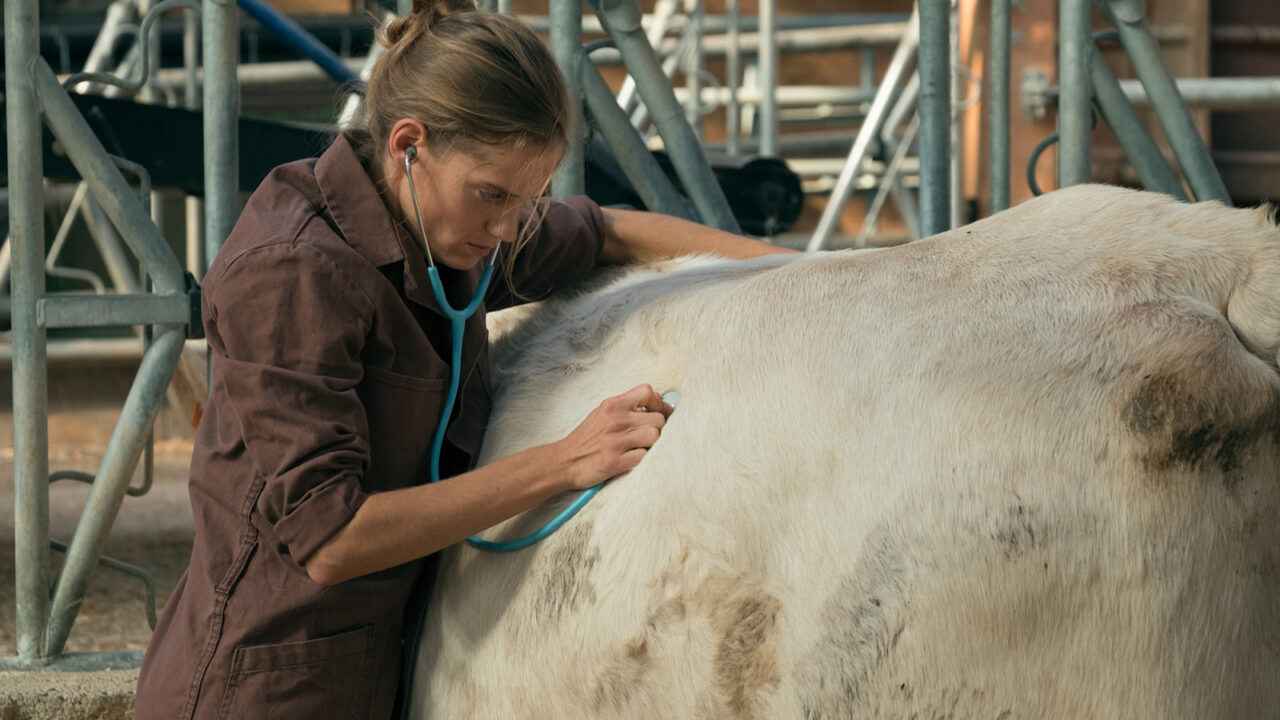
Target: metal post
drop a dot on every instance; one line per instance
(566, 46)
(935, 116)
(30, 381)
(1138, 146)
(1075, 108)
(123, 451)
(623, 20)
(221, 132)
(637, 162)
(693, 69)
(866, 134)
(1197, 165)
(768, 78)
(998, 148)
(733, 74)
(955, 120)
(191, 100)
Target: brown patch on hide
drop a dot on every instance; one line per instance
(619, 679)
(1201, 425)
(1021, 531)
(568, 568)
(746, 663)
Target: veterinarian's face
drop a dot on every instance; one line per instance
(472, 200)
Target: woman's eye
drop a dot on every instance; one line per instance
(491, 196)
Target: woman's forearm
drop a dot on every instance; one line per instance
(395, 527)
(632, 236)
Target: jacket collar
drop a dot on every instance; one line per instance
(368, 225)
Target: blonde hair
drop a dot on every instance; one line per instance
(473, 79)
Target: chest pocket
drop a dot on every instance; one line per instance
(402, 412)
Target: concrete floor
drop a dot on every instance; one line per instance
(153, 531)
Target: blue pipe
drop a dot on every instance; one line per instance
(303, 42)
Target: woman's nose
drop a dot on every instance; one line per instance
(502, 225)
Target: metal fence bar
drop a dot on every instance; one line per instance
(875, 119)
(121, 458)
(768, 77)
(30, 381)
(566, 46)
(1142, 151)
(297, 38)
(935, 116)
(84, 311)
(733, 71)
(637, 162)
(1075, 108)
(623, 19)
(1253, 93)
(1135, 34)
(955, 160)
(221, 129)
(998, 102)
(98, 170)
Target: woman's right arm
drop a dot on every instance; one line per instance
(395, 527)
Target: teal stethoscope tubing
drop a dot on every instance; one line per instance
(457, 325)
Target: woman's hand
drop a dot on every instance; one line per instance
(613, 438)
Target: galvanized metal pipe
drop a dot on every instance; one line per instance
(30, 389)
(623, 19)
(1197, 165)
(637, 162)
(221, 129)
(956, 198)
(663, 11)
(693, 69)
(97, 311)
(193, 205)
(99, 171)
(1253, 93)
(733, 71)
(998, 104)
(1142, 151)
(118, 463)
(935, 116)
(566, 46)
(118, 13)
(1075, 99)
(866, 134)
(768, 77)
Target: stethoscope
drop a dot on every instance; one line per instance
(457, 324)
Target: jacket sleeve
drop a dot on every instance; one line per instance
(288, 327)
(567, 239)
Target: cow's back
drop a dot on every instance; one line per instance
(1025, 469)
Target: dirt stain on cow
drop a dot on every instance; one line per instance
(1200, 425)
(568, 568)
(746, 663)
(1020, 530)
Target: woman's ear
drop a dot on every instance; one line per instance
(406, 133)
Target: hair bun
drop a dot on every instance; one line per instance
(425, 15)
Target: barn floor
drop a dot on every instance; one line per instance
(153, 531)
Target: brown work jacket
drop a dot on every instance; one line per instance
(330, 367)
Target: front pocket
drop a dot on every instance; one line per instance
(402, 413)
(322, 678)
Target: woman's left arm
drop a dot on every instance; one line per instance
(634, 236)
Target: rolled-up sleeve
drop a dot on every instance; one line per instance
(287, 331)
(565, 245)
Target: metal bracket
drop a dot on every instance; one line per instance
(1038, 95)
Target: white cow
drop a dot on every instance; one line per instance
(1025, 469)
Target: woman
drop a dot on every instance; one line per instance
(331, 362)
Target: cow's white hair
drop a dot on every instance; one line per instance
(1027, 468)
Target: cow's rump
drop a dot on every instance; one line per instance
(1027, 468)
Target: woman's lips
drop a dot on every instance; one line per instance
(479, 250)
